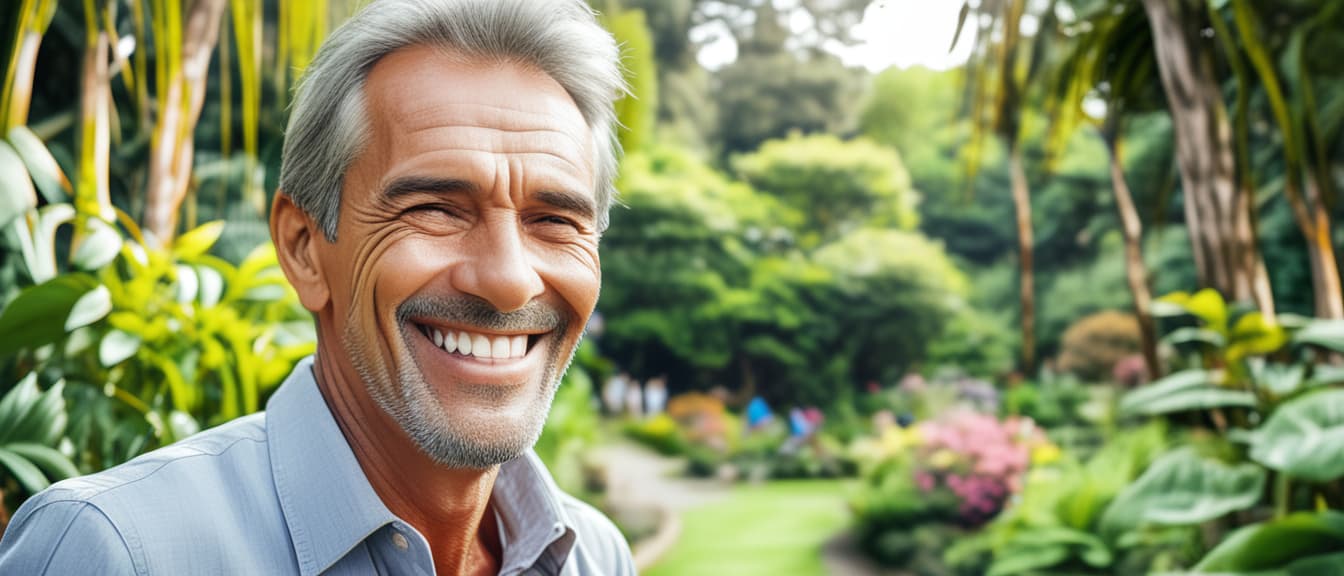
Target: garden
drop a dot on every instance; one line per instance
(1063, 299)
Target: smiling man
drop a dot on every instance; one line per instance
(447, 173)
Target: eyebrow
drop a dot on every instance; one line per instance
(572, 202)
(435, 185)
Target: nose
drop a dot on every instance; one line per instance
(498, 268)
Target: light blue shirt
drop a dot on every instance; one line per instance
(280, 492)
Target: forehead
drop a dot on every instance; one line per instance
(424, 101)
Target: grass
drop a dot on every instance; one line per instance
(773, 528)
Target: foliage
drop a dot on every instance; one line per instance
(768, 95)
(864, 184)
(1094, 344)
(1055, 526)
(1050, 402)
(32, 425)
(572, 425)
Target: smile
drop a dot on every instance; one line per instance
(478, 344)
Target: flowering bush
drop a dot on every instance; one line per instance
(978, 458)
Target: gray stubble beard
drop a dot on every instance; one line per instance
(422, 416)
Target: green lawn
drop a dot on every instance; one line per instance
(773, 528)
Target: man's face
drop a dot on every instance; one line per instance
(466, 264)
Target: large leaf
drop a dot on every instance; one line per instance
(1037, 548)
(91, 307)
(1207, 305)
(46, 173)
(44, 420)
(17, 402)
(1304, 438)
(1183, 488)
(1277, 543)
(1183, 391)
(16, 189)
(50, 460)
(1323, 333)
(198, 240)
(37, 316)
(28, 474)
(1252, 335)
(98, 247)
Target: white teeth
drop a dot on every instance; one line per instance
(479, 345)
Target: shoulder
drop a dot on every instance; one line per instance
(598, 537)
(55, 535)
(226, 446)
(110, 518)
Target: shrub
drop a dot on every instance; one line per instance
(1093, 345)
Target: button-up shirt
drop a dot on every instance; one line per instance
(280, 492)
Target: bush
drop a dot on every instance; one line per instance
(1093, 345)
(659, 433)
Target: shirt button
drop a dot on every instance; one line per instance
(399, 541)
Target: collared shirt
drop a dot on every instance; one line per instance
(280, 492)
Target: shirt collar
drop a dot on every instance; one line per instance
(330, 508)
(328, 503)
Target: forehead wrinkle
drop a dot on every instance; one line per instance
(510, 140)
(471, 167)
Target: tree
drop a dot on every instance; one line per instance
(838, 186)
(1000, 81)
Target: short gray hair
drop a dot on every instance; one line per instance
(328, 127)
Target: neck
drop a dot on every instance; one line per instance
(446, 505)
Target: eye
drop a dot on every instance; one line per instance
(557, 220)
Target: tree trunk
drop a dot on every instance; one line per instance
(1324, 265)
(1135, 270)
(172, 149)
(1218, 211)
(1025, 251)
(91, 193)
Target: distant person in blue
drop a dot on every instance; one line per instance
(446, 174)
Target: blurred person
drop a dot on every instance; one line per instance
(655, 395)
(613, 393)
(634, 399)
(447, 172)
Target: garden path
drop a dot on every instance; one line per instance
(638, 478)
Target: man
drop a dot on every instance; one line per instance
(447, 172)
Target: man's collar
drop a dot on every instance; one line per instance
(330, 508)
(328, 503)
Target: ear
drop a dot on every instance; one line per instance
(296, 238)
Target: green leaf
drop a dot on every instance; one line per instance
(90, 308)
(1304, 437)
(28, 475)
(116, 347)
(99, 247)
(1202, 398)
(212, 286)
(198, 241)
(1208, 305)
(1166, 386)
(16, 189)
(1027, 560)
(1183, 488)
(1190, 334)
(50, 218)
(57, 466)
(37, 316)
(16, 404)
(1323, 333)
(1253, 336)
(42, 166)
(1277, 543)
(44, 422)
(1279, 379)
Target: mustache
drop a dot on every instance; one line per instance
(472, 311)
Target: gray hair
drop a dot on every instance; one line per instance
(328, 127)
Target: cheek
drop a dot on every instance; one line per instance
(575, 273)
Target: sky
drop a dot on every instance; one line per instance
(900, 33)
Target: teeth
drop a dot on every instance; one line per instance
(479, 345)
